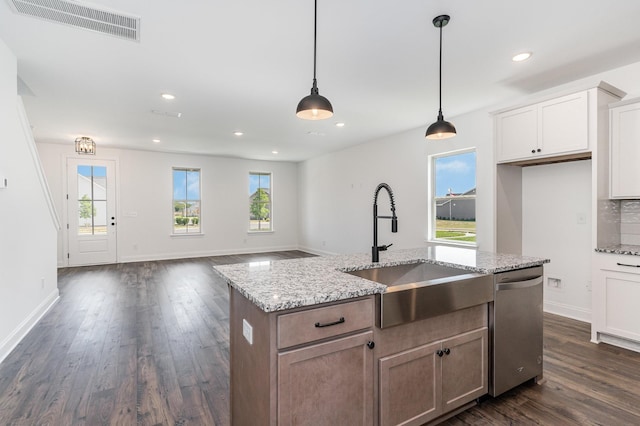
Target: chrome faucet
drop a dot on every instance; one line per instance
(376, 249)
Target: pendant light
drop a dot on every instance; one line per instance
(314, 106)
(441, 129)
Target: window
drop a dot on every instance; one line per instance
(453, 204)
(186, 201)
(260, 202)
(92, 200)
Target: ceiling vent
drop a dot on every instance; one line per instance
(81, 15)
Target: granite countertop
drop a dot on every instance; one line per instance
(629, 249)
(286, 284)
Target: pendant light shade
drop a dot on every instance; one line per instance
(441, 129)
(314, 106)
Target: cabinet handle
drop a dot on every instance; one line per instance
(533, 151)
(439, 353)
(447, 351)
(329, 324)
(539, 150)
(626, 264)
(371, 344)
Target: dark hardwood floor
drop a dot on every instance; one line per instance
(148, 343)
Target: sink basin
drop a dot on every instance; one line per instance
(409, 273)
(422, 290)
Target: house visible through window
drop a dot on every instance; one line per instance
(260, 202)
(186, 201)
(453, 204)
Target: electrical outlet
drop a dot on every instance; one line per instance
(247, 331)
(554, 282)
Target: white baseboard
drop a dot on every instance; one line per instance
(569, 311)
(315, 251)
(187, 255)
(9, 344)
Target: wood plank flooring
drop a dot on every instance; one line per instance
(148, 343)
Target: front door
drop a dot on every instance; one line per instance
(91, 211)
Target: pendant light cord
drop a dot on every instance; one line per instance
(315, 32)
(440, 76)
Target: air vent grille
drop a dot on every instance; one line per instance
(81, 15)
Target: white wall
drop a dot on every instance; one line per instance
(556, 217)
(144, 186)
(336, 190)
(28, 276)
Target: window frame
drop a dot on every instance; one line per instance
(431, 198)
(173, 201)
(271, 221)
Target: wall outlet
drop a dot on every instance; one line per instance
(554, 282)
(247, 331)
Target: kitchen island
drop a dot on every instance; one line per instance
(305, 348)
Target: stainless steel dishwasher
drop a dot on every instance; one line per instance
(515, 321)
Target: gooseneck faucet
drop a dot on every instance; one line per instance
(376, 249)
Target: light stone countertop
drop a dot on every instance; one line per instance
(627, 249)
(286, 284)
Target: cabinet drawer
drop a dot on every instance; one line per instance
(320, 323)
(618, 263)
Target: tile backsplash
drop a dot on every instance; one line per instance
(630, 222)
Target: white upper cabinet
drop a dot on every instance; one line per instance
(547, 129)
(625, 150)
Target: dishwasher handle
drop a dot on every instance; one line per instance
(532, 282)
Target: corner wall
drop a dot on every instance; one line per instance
(28, 276)
(336, 190)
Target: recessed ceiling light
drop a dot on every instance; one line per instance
(238, 133)
(274, 152)
(168, 96)
(521, 57)
(340, 124)
(155, 140)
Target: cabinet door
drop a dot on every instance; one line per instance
(625, 151)
(620, 295)
(410, 383)
(465, 368)
(564, 125)
(516, 133)
(328, 383)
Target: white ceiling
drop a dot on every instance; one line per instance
(245, 64)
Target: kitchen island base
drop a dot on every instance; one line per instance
(346, 368)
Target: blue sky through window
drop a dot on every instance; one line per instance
(456, 173)
(257, 180)
(186, 184)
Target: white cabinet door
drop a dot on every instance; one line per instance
(625, 151)
(564, 124)
(547, 129)
(616, 298)
(517, 133)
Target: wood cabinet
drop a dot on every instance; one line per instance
(309, 365)
(327, 383)
(423, 383)
(616, 300)
(556, 127)
(625, 149)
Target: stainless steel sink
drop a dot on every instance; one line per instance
(423, 290)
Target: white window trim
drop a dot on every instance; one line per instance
(191, 234)
(271, 216)
(431, 214)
